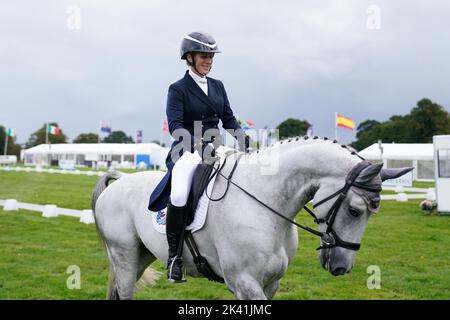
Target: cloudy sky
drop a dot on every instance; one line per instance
(81, 62)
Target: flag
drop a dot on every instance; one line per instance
(245, 124)
(11, 132)
(164, 126)
(54, 130)
(105, 128)
(138, 136)
(345, 122)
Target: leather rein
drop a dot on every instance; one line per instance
(329, 238)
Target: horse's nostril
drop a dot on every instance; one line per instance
(338, 271)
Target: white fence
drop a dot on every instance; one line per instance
(423, 193)
(86, 216)
(61, 171)
(48, 210)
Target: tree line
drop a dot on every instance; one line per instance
(424, 121)
(39, 137)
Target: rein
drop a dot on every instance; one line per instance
(330, 238)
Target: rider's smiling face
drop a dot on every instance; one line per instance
(203, 62)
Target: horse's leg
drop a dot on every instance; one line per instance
(125, 264)
(145, 259)
(146, 276)
(271, 289)
(248, 288)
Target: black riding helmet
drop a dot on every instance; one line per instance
(198, 42)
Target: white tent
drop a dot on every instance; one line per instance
(395, 155)
(87, 154)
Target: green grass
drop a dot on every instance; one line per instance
(36, 253)
(66, 191)
(410, 247)
(423, 184)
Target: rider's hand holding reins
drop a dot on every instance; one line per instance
(209, 154)
(247, 144)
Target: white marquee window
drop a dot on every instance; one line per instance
(444, 163)
(391, 163)
(128, 157)
(116, 157)
(425, 169)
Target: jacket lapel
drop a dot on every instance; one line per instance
(198, 92)
(213, 95)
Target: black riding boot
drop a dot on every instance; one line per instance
(175, 220)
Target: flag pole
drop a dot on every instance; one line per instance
(99, 131)
(6, 143)
(335, 126)
(47, 140)
(46, 133)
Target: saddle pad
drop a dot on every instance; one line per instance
(159, 218)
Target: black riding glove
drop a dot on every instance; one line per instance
(209, 154)
(247, 143)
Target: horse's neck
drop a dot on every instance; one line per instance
(303, 166)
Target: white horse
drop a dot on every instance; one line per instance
(244, 239)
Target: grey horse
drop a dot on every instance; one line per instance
(244, 241)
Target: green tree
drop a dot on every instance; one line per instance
(13, 148)
(428, 119)
(367, 131)
(118, 137)
(397, 129)
(38, 137)
(366, 126)
(86, 138)
(292, 128)
(419, 126)
(159, 143)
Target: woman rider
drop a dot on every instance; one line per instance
(193, 98)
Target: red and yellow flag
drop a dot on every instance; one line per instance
(345, 122)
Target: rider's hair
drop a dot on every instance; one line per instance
(192, 56)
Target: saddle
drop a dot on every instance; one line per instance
(200, 181)
(202, 176)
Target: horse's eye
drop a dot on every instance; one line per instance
(354, 212)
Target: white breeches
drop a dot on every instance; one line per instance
(182, 174)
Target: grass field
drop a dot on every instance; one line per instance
(409, 246)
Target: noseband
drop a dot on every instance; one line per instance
(329, 238)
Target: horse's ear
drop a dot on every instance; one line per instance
(369, 173)
(394, 172)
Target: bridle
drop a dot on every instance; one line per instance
(329, 238)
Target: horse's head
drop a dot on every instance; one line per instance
(343, 212)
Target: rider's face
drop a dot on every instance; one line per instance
(203, 62)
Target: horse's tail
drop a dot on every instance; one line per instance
(100, 186)
(150, 275)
